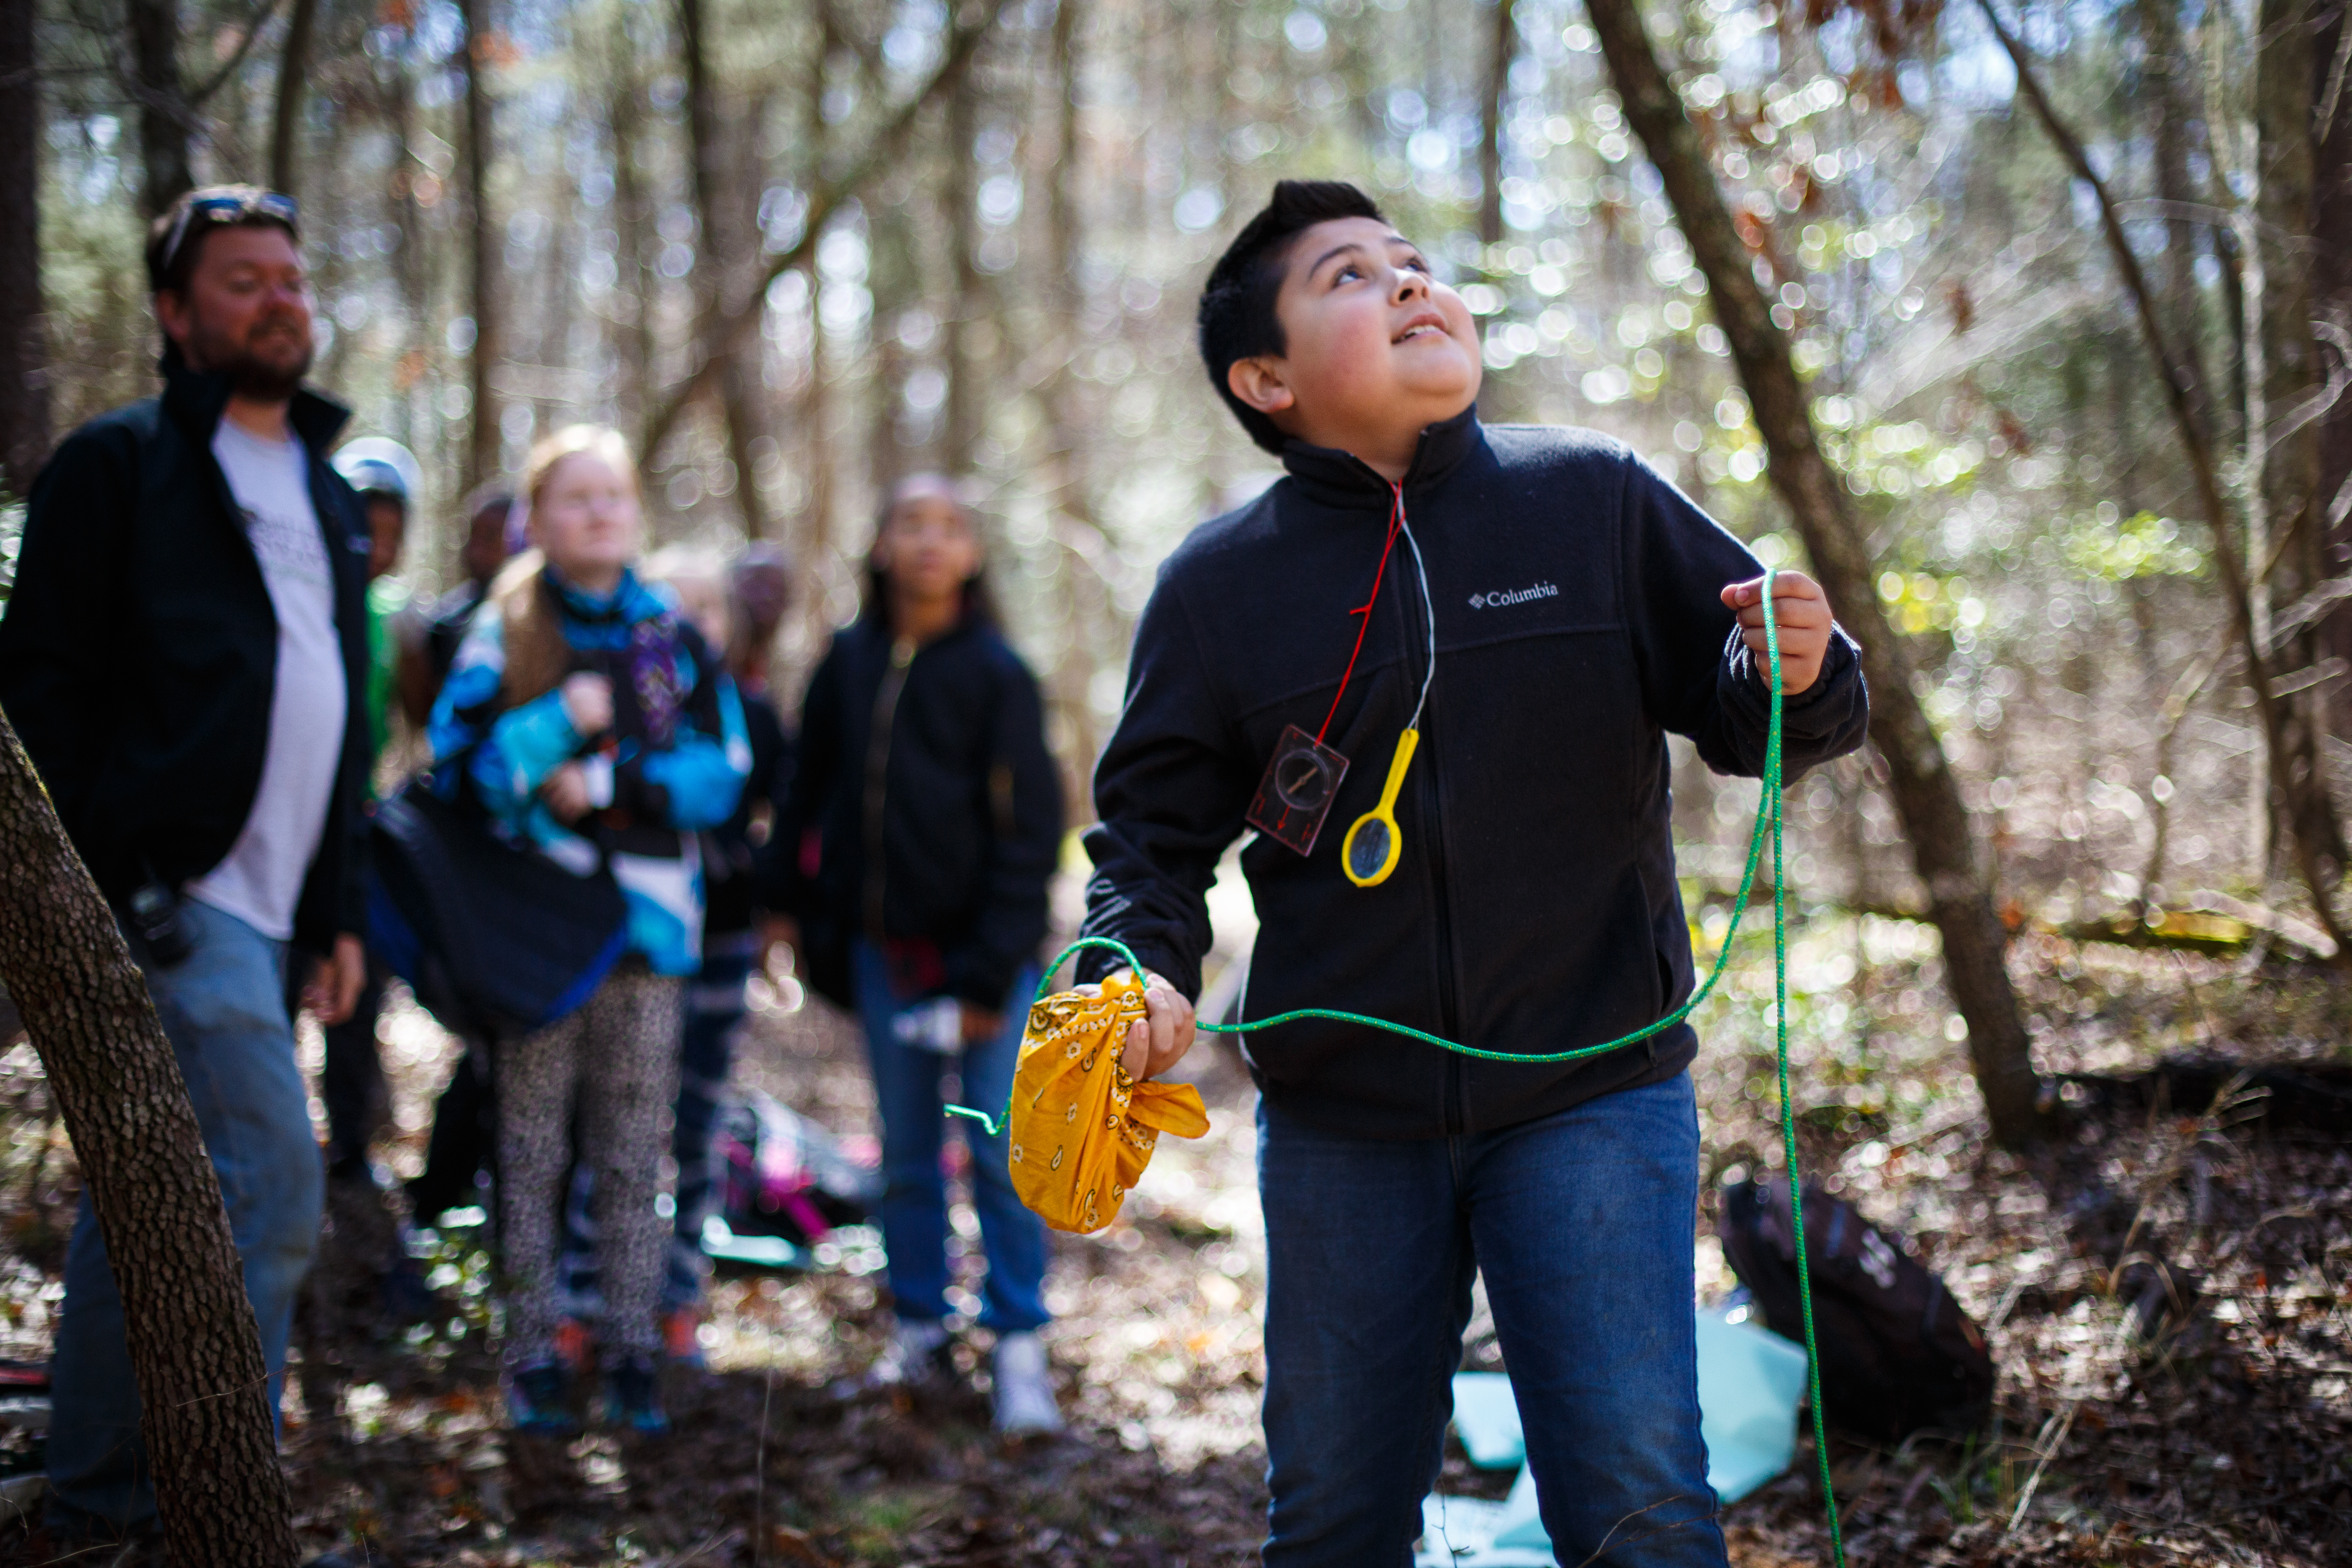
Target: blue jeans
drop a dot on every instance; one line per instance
(224, 1008)
(915, 1193)
(1582, 1223)
(715, 1005)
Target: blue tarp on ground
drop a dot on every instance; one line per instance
(1750, 1381)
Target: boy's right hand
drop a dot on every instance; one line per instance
(780, 938)
(588, 703)
(565, 791)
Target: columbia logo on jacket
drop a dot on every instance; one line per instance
(1514, 597)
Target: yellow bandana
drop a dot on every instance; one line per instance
(1082, 1130)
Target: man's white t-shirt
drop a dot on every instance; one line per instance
(261, 879)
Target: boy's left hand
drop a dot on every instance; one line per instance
(1160, 1039)
(1803, 612)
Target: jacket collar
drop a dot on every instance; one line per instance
(874, 628)
(197, 399)
(1343, 479)
(628, 601)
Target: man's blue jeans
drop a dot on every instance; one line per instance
(1582, 1223)
(715, 1006)
(224, 1007)
(914, 1192)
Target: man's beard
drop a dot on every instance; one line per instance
(255, 375)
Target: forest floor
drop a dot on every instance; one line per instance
(2226, 1436)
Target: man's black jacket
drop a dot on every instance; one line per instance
(139, 653)
(1534, 907)
(924, 807)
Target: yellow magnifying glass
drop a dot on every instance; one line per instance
(1374, 841)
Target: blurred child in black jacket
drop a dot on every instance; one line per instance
(916, 844)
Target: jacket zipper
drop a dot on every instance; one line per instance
(1416, 634)
(878, 775)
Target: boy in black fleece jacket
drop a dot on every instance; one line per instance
(1541, 607)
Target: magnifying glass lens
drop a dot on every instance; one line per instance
(1368, 847)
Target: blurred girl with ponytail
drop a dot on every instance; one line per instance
(588, 718)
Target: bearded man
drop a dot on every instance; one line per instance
(184, 657)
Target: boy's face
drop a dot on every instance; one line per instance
(387, 526)
(1378, 350)
(486, 542)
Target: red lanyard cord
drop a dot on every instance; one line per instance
(1396, 522)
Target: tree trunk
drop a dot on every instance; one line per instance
(632, 221)
(293, 67)
(482, 450)
(1926, 796)
(1071, 676)
(2289, 471)
(2170, 109)
(739, 393)
(2269, 703)
(412, 268)
(826, 197)
(2232, 395)
(1491, 130)
(896, 278)
(162, 108)
(966, 395)
(718, 267)
(816, 405)
(2331, 258)
(24, 338)
(193, 1343)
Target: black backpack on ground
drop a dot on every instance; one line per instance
(1898, 1355)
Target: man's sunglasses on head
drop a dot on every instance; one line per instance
(227, 207)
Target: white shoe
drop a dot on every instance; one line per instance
(1025, 1388)
(915, 1355)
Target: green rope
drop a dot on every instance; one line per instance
(1768, 816)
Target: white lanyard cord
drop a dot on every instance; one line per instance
(1428, 613)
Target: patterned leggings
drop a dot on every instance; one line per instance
(619, 1055)
(714, 1009)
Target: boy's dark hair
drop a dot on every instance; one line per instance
(176, 238)
(1237, 316)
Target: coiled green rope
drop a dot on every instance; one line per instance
(1768, 816)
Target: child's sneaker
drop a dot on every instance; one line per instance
(539, 1401)
(1025, 1388)
(682, 1337)
(917, 1356)
(632, 1396)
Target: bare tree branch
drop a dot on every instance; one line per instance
(1937, 825)
(262, 16)
(293, 66)
(2178, 391)
(741, 316)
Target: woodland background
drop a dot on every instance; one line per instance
(797, 258)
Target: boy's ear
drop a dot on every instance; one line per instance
(1259, 382)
